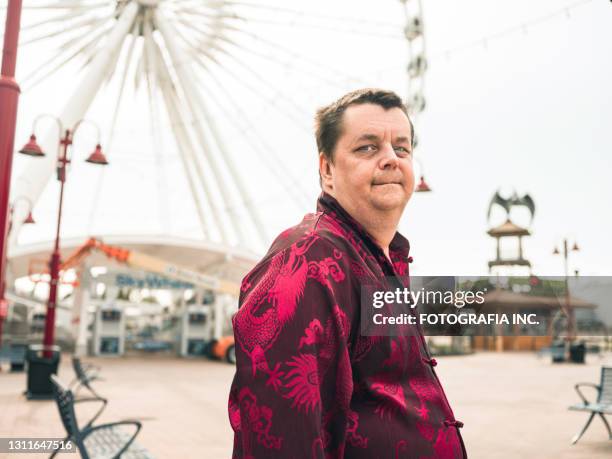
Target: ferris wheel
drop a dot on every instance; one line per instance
(204, 65)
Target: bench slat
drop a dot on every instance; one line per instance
(605, 395)
(593, 407)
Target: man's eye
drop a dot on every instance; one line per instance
(403, 150)
(367, 148)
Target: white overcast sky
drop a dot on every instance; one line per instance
(531, 111)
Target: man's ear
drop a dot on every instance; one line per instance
(325, 172)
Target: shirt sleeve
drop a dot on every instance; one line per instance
(292, 388)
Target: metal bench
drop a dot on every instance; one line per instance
(107, 440)
(84, 375)
(601, 407)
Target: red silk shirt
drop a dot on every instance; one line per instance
(307, 383)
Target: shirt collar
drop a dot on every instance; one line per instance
(399, 247)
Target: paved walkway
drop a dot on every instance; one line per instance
(513, 406)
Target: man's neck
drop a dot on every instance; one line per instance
(381, 225)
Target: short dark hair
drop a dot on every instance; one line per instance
(328, 121)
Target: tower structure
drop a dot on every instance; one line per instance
(508, 253)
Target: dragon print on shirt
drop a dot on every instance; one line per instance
(271, 304)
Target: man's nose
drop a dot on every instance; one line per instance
(389, 159)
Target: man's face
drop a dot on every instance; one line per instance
(372, 165)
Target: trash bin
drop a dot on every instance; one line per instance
(557, 350)
(40, 369)
(577, 352)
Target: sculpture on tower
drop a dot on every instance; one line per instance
(508, 203)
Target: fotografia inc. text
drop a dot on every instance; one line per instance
(462, 318)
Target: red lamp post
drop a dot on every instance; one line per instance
(422, 186)
(9, 97)
(29, 220)
(97, 157)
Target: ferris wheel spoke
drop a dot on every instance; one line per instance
(299, 57)
(194, 46)
(109, 143)
(196, 50)
(284, 23)
(327, 28)
(208, 4)
(144, 60)
(87, 22)
(100, 28)
(89, 54)
(186, 81)
(227, 158)
(61, 17)
(271, 100)
(206, 13)
(262, 148)
(64, 47)
(191, 169)
(122, 84)
(214, 27)
(196, 54)
(29, 81)
(189, 159)
(168, 32)
(65, 6)
(213, 30)
(284, 64)
(261, 79)
(306, 13)
(148, 53)
(113, 67)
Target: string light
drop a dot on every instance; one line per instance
(522, 27)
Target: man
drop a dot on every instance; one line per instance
(308, 384)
